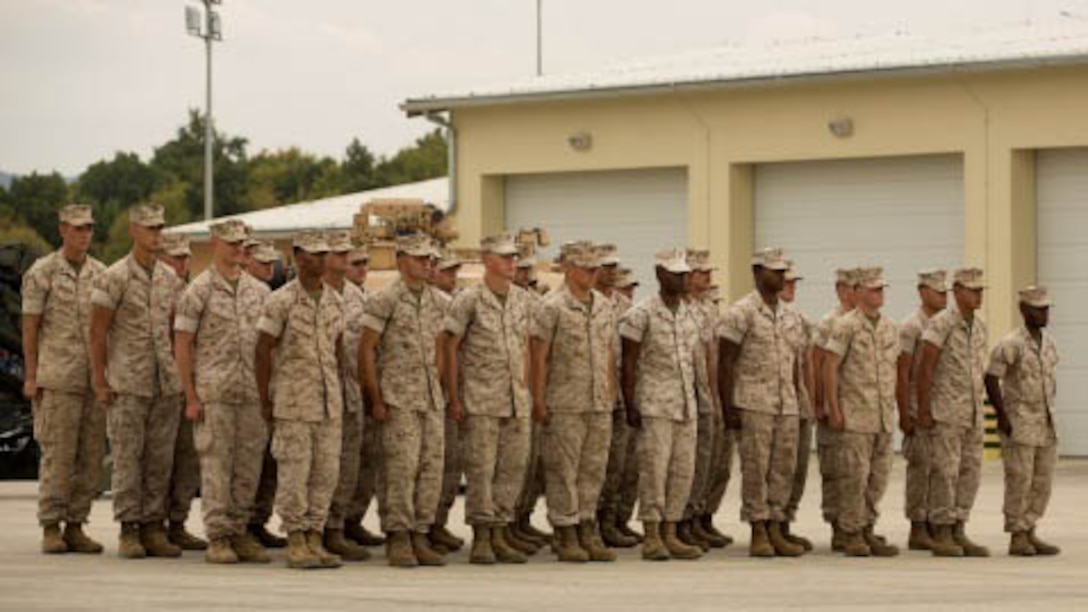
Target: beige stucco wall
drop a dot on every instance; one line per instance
(995, 120)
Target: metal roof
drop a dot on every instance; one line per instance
(325, 214)
(1022, 45)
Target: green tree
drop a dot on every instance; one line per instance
(357, 171)
(426, 159)
(113, 186)
(183, 158)
(290, 175)
(36, 198)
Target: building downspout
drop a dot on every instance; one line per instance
(451, 152)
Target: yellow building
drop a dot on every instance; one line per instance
(901, 151)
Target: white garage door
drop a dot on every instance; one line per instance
(903, 213)
(640, 211)
(1062, 200)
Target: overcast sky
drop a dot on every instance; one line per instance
(84, 78)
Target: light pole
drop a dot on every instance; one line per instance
(539, 37)
(209, 27)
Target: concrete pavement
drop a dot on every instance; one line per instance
(32, 581)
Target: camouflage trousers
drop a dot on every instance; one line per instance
(628, 495)
(230, 440)
(725, 451)
(71, 432)
(575, 460)
(266, 489)
(704, 450)
(369, 482)
(412, 447)
(308, 468)
(1029, 475)
(917, 454)
(453, 466)
(768, 455)
(956, 472)
(142, 432)
(827, 441)
(351, 442)
(532, 486)
(185, 481)
(496, 451)
(800, 471)
(622, 459)
(865, 461)
(666, 465)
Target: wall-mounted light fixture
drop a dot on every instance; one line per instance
(841, 127)
(580, 141)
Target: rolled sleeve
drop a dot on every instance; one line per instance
(35, 292)
(185, 324)
(733, 326)
(935, 335)
(103, 299)
(274, 317)
(544, 321)
(190, 310)
(460, 313)
(1001, 358)
(908, 339)
(838, 341)
(633, 324)
(378, 311)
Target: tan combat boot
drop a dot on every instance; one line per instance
(327, 559)
(426, 555)
(354, 530)
(220, 551)
(782, 546)
(760, 545)
(1020, 545)
(707, 521)
(878, 545)
(612, 536)
(919, 536)
(942, 544)
(248, 549)
(970, 549)
(266, 537)
(567, 548)
(836, 538)
(854, 545)
(504, 552)
(1041, 547)
(522, 545)
(180, 537)
(52, 542)
(441, 536)
(399, 550)
(153, 537)
(482, 552)
(78, 541)
(337, 544)
(299, 555)
(590, 541)
(677, 548)
(128, 543)
(804, 543)
(653, 548)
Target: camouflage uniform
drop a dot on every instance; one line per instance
(764, 391)
(620, 460)
(69, 427)
(143, 420)
(803, 331)
(866, 394)
(707, 431)
(956, 398)
(495, 395)
(413, 437)
(308, 402)
(916, 446)
(232, 436)
(532, 486)
(579, 396)
(827, 439)
(1027, 370)
(665, 380)
(352, 427)
(185, 479)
